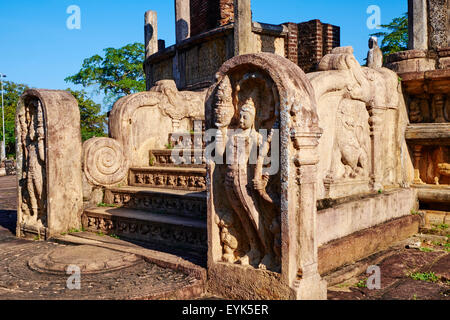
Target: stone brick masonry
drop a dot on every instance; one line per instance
(209, 14)
(315, 40)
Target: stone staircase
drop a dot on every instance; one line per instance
(163, 207)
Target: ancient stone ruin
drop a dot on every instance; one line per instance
(255, 93)
(265, 177)
(425, 73)
(50, 197)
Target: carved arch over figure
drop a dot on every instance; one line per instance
(48, 152)
(266, 221)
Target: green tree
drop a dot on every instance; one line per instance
(395, 39)
(12, 92)
(93, 122)
(117, 74)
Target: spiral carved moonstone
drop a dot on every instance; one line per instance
(104, 161)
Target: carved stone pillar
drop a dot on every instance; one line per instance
(418, 24)
(182, 20)
(151, 33)
(243, 34)
(376, 131)
(417, 158)
(307, 281)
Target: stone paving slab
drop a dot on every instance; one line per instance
(18, 281)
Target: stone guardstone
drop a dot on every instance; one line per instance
(90, 260)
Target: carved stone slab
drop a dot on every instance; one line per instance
(175, 202)
(144, 226)
(262, 217)
(166, 177)
(177, 158)
(48, 142)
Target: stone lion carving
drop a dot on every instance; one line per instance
(351, 149)
(443, 170)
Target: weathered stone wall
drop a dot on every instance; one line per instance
(194, 62)
(448, 23)
(269, 43)
(203, 60)
(162, 70)
(352, 214)
(291, 45)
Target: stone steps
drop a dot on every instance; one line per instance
(180, 178)
(183, 203)
(163, 207)
(164, 231)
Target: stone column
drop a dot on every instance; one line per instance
(307, 282)
(376, 132)
(182, 20)
(418, 24)
(417, 157)
(243, 35)
(151, 33)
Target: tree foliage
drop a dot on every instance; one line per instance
(118, 73)
(11, 95)
(395, 39)
(93, 122)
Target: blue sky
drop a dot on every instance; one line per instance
(37, 49)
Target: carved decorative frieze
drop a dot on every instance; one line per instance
(190, 179)
(189, 206)
(177, 157)
(165, 234)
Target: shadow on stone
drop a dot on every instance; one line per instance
(8, 220)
